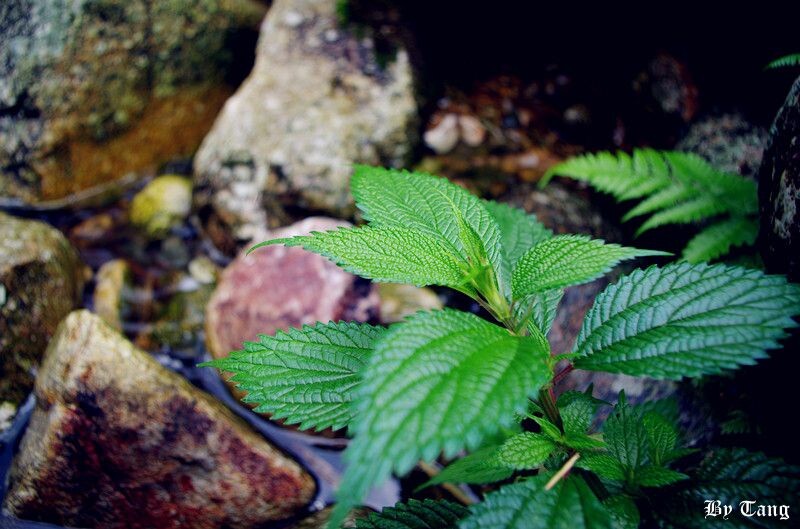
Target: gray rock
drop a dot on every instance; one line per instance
(41, 281)
(117, 440)
(113, 280)
(316, 102)
(728, 142)
(779, 191)
(93, 89)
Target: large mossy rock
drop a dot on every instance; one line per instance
(41, 281)
(93, 89)
(117, 440)
(318, 100)
(779, 191)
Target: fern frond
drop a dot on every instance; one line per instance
(786, 61)
(675, 188)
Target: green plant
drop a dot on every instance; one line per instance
(443, 382)
(674, 188)
(790, 60)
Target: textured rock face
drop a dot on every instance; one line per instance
(316, 102)
(277, 287)
(117, 440)
(779, 191)
(41, 281)
(729, 142)
(93, 89)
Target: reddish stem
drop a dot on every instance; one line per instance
(563, 373)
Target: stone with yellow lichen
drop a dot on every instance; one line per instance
(161, 205)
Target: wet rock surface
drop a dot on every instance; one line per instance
(116, 440)
(91, 90)
(779, 191)
(277, 287)
(41, 281)
(317, 101)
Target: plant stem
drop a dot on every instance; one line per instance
(558, 476)
(548, 402)
(561, 374)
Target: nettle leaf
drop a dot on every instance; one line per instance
(686, 320)
(481, 466)
(730, 475)
(438, 382)
(539, 309)
(425, 204)
(415, 514)
(305, 376)
(519, 231)
(567, 260)
(387, 255)
(623, 511)
(526, 450)
(604, 465)
(657, 476)
(626, 436)
(577, 409)
(662, 437)
(527, 505)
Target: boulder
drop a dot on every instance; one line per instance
(317, 101)
(779, 191)
(91, 90)
(117, 440)
(728, 142)
(276, 288)
(41, 281)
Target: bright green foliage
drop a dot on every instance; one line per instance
(519, 231)
(686, 320)
(443, 382)
(792, 59)
(676, 188)
(481, 466)
(439, 382)
(305, 376)
(567, 260)
(415, 514)
(527, 505)
(718, 239)
(388, 255)
(428, 205)
(730, 475)
(526, 450)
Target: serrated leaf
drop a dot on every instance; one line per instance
(305, 376)
(582, 442)
(519, 231)
(481, 466)
(686, 320)
(623, 511)
(548, 428)
(388, 255)
(566, 260)
(527, 505)
(793, 59)
(718, 239)
(604, 465)
(625, 435)
(424, 203)
(730, 475)
(441, 381)
(526, 450)
(539, 310)
(577, 409)
(657, 476)
(415, 514)
(662, 437)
